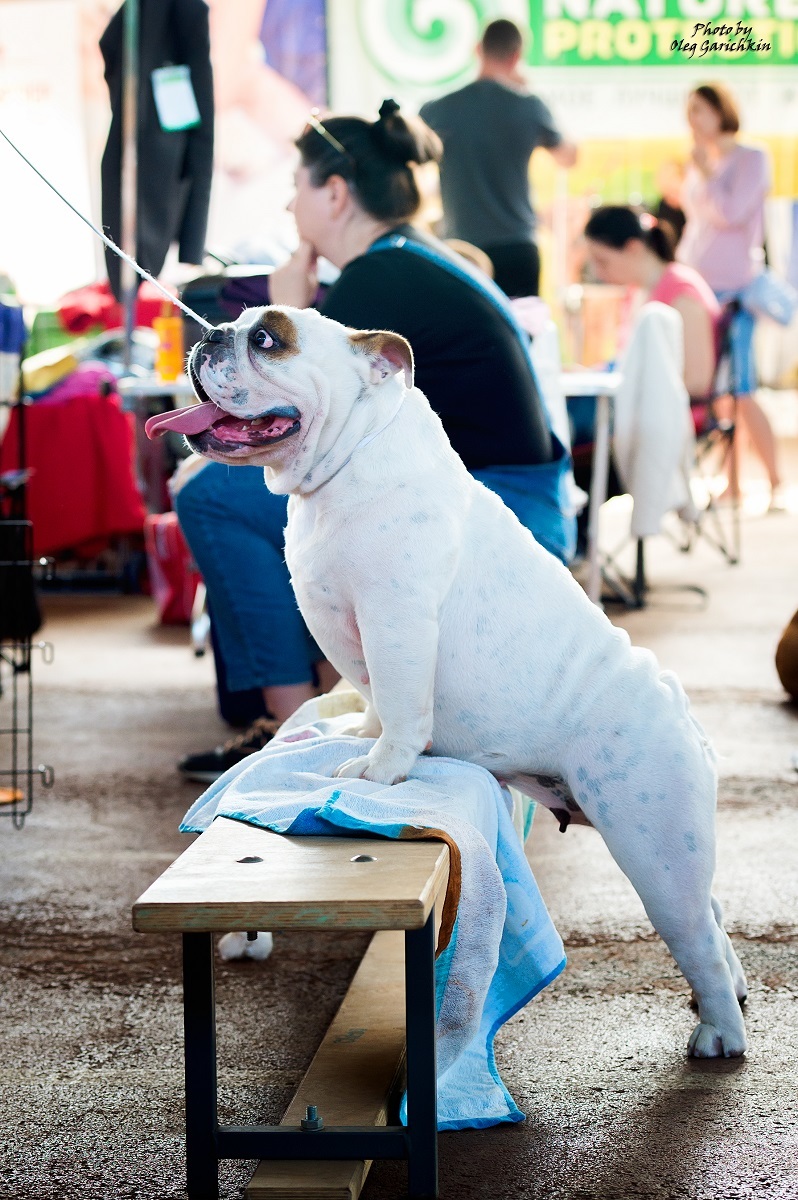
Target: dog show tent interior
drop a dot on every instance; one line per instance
(625, 111)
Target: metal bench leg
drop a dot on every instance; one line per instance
(199, 1018)
(422, 1096)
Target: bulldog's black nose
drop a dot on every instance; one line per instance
(216, 335)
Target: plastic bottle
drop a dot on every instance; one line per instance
(169, 355)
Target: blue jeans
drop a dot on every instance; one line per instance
(539, 497)
(741, 347)
(536, 495)
(235, 526)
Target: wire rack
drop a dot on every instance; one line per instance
(18, 772)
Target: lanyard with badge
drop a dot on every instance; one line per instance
(175, 101)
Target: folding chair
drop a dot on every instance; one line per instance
(716, 455)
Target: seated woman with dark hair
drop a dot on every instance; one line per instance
(355, 196)
(624, 250)
(665, 360)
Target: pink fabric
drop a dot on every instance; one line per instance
(725, 227)
(88, 378)
(174, 578)
(678, 280)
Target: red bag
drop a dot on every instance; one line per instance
(173, 576)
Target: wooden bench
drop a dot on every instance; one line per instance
(238, 877)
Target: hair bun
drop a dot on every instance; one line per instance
(403, 140)
(387, 109)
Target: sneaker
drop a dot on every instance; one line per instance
(207, 767)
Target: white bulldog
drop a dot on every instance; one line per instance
(464, 635)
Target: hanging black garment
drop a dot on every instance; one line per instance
(174, 167)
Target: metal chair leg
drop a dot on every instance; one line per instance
(640, 586)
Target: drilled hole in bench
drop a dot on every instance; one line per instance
(363, 858)
(250, 858)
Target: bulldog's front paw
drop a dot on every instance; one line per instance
(383, 764)
(353, 768)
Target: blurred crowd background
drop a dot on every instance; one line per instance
(606, 68)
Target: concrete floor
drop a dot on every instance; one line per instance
(90, 1055)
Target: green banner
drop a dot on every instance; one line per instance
(423, 42)
(595, 33)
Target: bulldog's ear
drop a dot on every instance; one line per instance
(387, 353)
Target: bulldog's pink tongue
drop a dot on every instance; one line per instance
(185, 420)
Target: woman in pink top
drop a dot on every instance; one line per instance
(623, 251)
(724, 201)
(723, 195)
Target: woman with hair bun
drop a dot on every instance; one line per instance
(356, 195)
(667, 359)
(635, 251)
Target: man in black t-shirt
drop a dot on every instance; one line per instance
(489, 130)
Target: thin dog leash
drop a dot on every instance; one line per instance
(110, 244)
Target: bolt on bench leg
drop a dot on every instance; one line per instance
(199, 1018)
(422, 1083)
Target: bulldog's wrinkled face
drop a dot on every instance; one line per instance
(277, 386)
(217, 377)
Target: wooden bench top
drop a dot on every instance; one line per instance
(293, 883)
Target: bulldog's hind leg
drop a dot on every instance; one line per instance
(665, 845)
(735, 966)
(687, 925)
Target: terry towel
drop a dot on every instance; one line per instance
(654, 439)
(497, 947)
